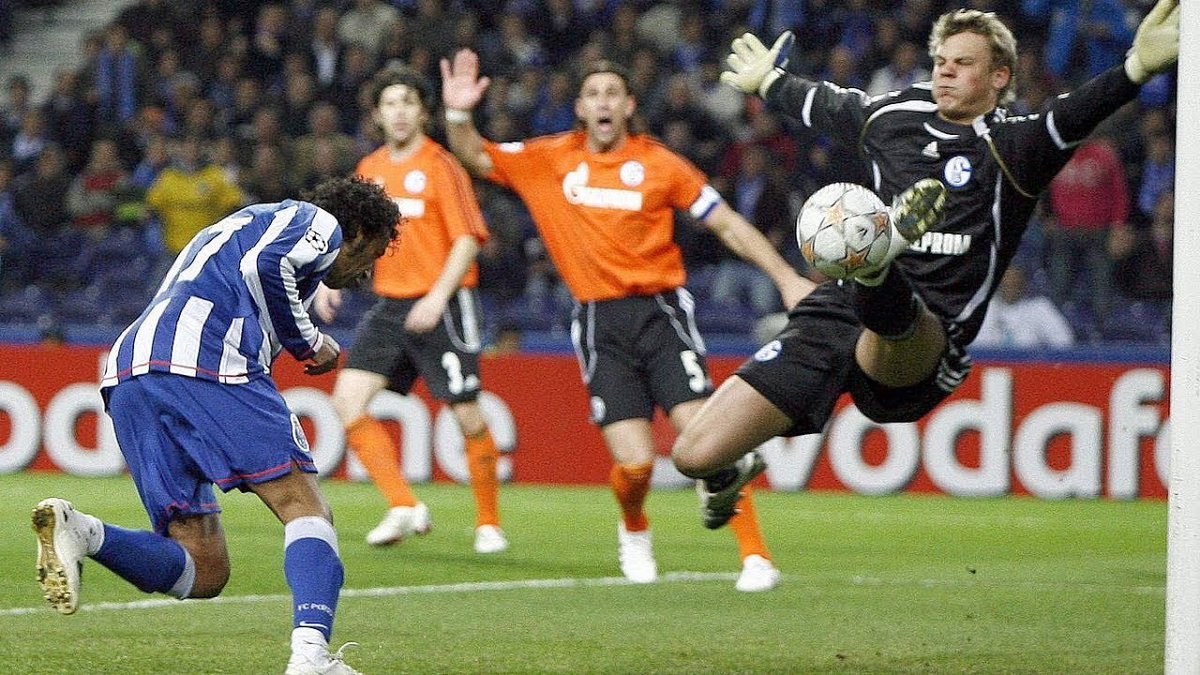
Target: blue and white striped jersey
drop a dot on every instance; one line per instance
(236, 295)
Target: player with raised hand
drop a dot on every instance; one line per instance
(192, 402)
(603, 199)
(426, 322)
(896, 339)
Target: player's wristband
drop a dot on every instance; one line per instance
(455, 116)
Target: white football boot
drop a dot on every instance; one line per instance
(64, 539)
(636, 555)
(399, 523)
(758, 575)
(490, 539)
(915, 211)
(320, 663)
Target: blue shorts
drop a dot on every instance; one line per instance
(180, 435)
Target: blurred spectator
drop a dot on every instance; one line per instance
(153, 161)
(763, 202)
(721, 101)
(38, 203)
(204, 57)
(99, 191)
(1088, 198)
(69, 118)
(324, 165)
(323, 131)
(841, 68)
(357, 69)
(903, 70)
(517, 50)
(1158, 174)
(766, 132)
(299, 97)
(6, 26)
(365, 24)
(31, 139)
(692, 46)
(141, 18)
(325, 51)
(680, 107)
(271, 41)
(1086, 38)
(771, 17)
(555, 108)
(559, 29)
(17, 102)
(135, 137)
(268, 178)
(224, 154)
(1022, 321)
(120, 77)
(16, 241)
(433, 28)
(190, 194)
(1144, 257)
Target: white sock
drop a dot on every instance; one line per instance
(309, 642)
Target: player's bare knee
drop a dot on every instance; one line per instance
(690, 455)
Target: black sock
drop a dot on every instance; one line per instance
(890, 309)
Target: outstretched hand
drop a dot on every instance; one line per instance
(462, 88)
(1156, 45)
(753, 67)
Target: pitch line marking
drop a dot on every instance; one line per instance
(520, 584)
(383, 592)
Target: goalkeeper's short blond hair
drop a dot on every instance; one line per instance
(987, 24)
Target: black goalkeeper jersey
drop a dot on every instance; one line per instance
(995, 169)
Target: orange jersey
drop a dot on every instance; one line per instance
(607, 219)
(438, 204)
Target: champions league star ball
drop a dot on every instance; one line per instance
(844, 229)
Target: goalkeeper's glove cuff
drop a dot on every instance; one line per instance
(769, 79)
(1134, 68)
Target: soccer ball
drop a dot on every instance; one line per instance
(844, 229)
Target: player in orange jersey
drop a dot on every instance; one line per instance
(603, 199)
(426, 322)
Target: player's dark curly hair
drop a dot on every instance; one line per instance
(360, 206)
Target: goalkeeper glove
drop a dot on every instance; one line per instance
(754, 67)
(1156, 45)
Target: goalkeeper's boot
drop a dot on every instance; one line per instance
(915, 211)
(320, 663)
(719, 494)
(399, 523)
(64, 536)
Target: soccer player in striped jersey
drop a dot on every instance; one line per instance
(604, 200)
(426, 321)
(192, 402)
(896, 339)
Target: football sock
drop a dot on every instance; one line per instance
(745, 528)
(151, 562)
(314, 572)
(630, 485)
(377, 453)
(481, 464)
(890, 309)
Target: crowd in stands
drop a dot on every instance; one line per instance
(184, 110)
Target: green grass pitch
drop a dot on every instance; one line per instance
(905, 584)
